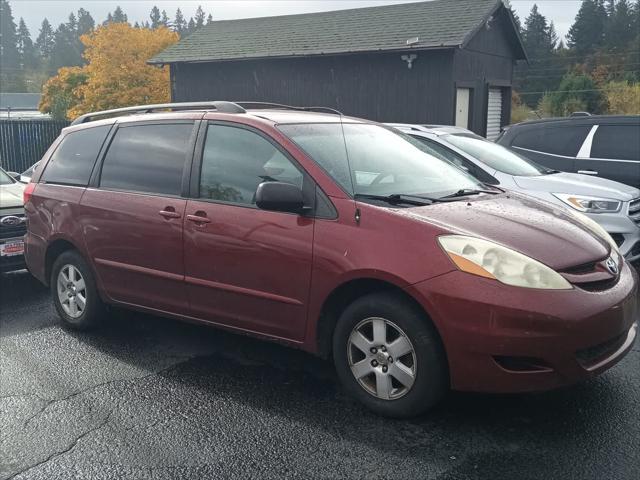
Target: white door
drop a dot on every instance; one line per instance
(463, 96)
(494, 113)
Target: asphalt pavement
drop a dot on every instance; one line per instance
(152, 398)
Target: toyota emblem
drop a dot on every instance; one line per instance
(11, 221)
(612, 266)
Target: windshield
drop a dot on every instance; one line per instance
(372, 160)
(497, 156)
(5, 179)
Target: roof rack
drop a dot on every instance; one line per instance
(222, 107)
(279, 106)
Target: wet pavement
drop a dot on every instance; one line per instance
(151, 398)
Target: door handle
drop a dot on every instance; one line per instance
(588, 172)
(169, 212)
(199, 218)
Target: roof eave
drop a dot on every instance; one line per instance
(472, 33)
(160, 61)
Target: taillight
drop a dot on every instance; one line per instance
(28, 191)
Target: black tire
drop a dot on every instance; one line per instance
(431, 373)
(94, 310)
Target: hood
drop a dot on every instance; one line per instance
(11, 195)
(577, 184)
(549, 234)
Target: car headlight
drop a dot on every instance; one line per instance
(590, 204)
(592, 225)
(490, 260)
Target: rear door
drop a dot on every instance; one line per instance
(132, 216)
(246, 268)
(612, 151)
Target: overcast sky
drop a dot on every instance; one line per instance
(562, 12)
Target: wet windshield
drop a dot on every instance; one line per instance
(5, 179)
(496, 156)
(372, 160)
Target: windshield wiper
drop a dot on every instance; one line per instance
(551, 171)
(465, 192)
(398, 199)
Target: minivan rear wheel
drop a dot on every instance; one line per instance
(74, 292)
(389, 356)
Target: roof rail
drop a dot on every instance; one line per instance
(222, 107)
(266, 105)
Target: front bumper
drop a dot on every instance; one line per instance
(504, 339)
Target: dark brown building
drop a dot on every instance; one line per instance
(439, 62)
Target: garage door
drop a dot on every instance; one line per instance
(494, 113)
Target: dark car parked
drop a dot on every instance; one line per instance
(332, 234)
(606, 146)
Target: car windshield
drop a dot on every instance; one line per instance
(496, 156)
(373, 160)
(5, 178)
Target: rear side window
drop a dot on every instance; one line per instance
(556, 140)
(73, 160)
(621, 142)
(147, 158)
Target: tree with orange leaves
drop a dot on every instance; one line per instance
(116, 73)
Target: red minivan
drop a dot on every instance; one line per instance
(336, 235)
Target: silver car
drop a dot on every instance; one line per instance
(615, 206)
(12, 223)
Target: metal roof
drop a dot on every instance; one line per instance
(409, 26)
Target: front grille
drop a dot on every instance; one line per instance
(599, 286)
(634, 211)
(12, 231)
(592, 277)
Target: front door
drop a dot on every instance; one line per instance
(132, 222)
(463, 97)
(246, 268)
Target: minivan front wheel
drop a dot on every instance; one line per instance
(74, 292)
(389, 356)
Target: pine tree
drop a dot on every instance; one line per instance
(9, 55)
(44, 42)
(191, 26)
(180, 24)
(209, 19)
(26, 49)
(540, 40)
(86, 23)
(620, 27)
(200, 17)
(586, 35)
(119, 16)
(164, 21)
(155, 17)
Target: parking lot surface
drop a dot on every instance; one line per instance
(151, 398)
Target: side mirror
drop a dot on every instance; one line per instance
(280, 197)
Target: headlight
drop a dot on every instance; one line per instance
(590, 204)
(490, 260)
(597, 229)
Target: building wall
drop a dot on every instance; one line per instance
(378, 86)
(486, 61)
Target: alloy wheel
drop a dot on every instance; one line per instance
(382, 358)
(72, 291)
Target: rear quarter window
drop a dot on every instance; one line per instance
(73, 160)
(557, 140)
(621, 142)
